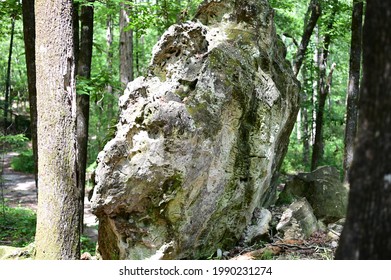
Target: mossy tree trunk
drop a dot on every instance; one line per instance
(58, 216)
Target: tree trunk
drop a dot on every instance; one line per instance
(125, 47)
(109, 44)
(58, 215)
(8, 79)
(314, 9)
(367, 231)
(29, 42)
(354, 85)
(83, 100)
(137, 53)
(323, 91)
(305, 119)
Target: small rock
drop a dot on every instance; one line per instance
(298, 220)
(86, 256)
(334, 244)
(259, 227)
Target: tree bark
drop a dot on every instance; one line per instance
(366, 234)
(314, 9)
(58, 215)
(354, 85)
(125, 47)
(29, 42)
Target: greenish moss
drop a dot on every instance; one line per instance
(285, 198)
(15, 253)
(243, 37)
(267, 255)
(174, 207)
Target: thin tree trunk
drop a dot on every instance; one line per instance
(125, 47)
(137, 53)
(58, 214)
(8, 79)
(29, 42)
(314, 9)
(109, 45)
(367, 231)
(354, 85)
(83, 100)
(110, 111)
(305, 120)
(323, 91)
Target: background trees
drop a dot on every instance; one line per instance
(322, 69)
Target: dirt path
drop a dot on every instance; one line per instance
(19, 191)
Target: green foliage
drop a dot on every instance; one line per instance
(290, 16)
(87, 245)
(24, 162)
(18, 83)
(13, 141)
(267, 255)
(17, 227)
(10, 8)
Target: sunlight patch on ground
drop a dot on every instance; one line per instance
(25, 186)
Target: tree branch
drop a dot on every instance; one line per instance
(315, 10)
(291, 37)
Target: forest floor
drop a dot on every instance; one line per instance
(19, 191)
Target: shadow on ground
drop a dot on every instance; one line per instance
(19, 191)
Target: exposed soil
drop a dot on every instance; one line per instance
(19, 191)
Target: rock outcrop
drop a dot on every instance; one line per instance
(199, 138)
(324, 191)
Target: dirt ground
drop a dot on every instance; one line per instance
(19, 191)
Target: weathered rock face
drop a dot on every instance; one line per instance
(259, 226)
(199, 138)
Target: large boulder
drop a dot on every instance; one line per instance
(199, 138)
(323, 189)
